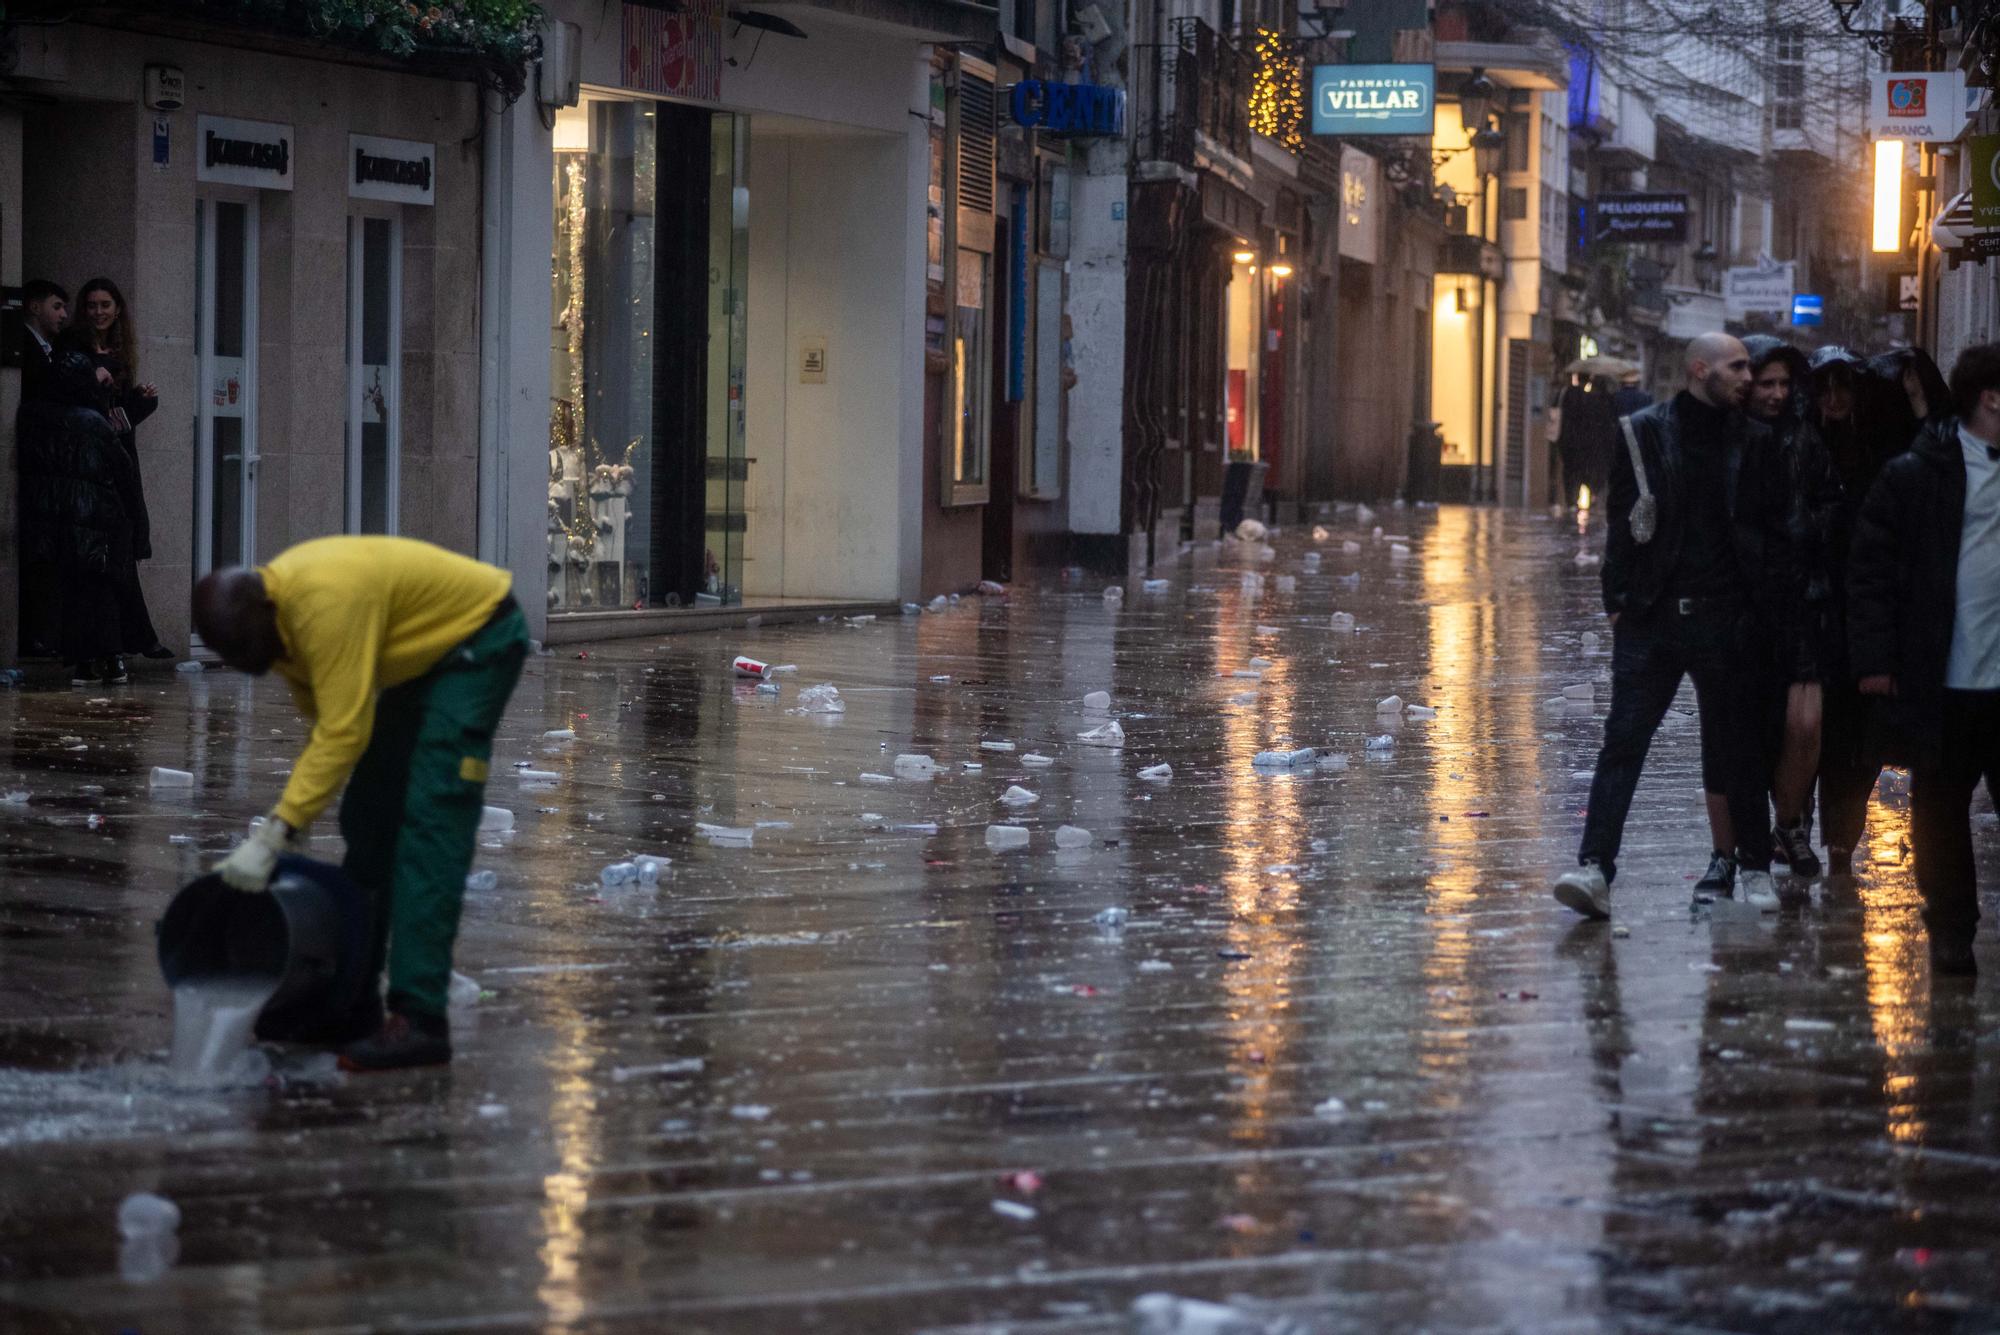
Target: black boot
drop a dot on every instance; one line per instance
(1792, 845)
(1719, 882)
(403, 1041)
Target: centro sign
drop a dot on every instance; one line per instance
(1080, 109)
(1373, 99)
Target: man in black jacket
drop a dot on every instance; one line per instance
(44, 314)
(1923, 626)
(1685, 601)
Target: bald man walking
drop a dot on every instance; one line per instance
(403, 655)
(1686, 600)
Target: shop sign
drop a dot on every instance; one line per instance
(1808, 308)
(676, 54)
(400, 171)
(233, 152)
(1983, 151)
(1373, 99)
(1360, 209)
(1639, 218)
(1904, 289)
(1758, 289)
(1080, 110)
(1915, 105)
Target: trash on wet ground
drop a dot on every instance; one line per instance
(1110, 734)
(821, 699)
(1017, 796)
(1157, 773)
(1001, 838)
(163, 777)
(1072, 836)
(725, 836)
(1097, 700)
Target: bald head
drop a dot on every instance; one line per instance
(1718, 369)
(235, 617)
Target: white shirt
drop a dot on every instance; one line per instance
(48, 348)
(1974, 664)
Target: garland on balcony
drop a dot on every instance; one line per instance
(497, 38)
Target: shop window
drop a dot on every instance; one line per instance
(374, 373)
(226, 382)
(969, 384)
(972, 369)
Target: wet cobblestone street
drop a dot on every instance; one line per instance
(1345, 1057)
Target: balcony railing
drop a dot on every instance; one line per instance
(1196, 85)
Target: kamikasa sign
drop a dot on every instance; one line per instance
(401, 171)
(1639, 219)
(1373, 99)
(236, 152)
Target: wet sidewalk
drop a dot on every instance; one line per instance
(1344, 1056)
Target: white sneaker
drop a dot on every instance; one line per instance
(1756, 889)
(1583, 889)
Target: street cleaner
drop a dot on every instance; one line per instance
(403, 656)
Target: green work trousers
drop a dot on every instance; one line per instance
(411, 811)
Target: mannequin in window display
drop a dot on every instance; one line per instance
(610, 509)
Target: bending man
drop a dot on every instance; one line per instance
(403, 655)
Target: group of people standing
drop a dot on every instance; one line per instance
(84, 525)
(1816, 542)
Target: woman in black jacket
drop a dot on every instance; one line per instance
(106, 334)
(78, 494)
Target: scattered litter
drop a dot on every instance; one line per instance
(991, 586)
(1033, 761)
(1330, 1110)
(463, 991)
(725, 836)
(537, 776)
(1801, 1026)
(1097, 700)
(1420, 712)
(1157, 773)
(1247, 674)
(1027, 1182)
(1288, 583)
(1261, 663)
(1321, 533)
(750, 1112)
(745, 666)
(190, 666)
(484, 879)
(1014, 1210)
(821, 699)
(1581, 691)
(1001, 838)
(1108, 735)
(1072, 836)
(1113, 918)
(1243, 698)
(941, 681)
(768, 688)
(1590, 642)
(912, 609)
(1310, 561)
(171, 778)
(1389, 705)
(1283, 759)
(1017, 796)
(862, 620)
(17, 798)
(1585, 560)
(679, 1066)
(1343, 621)
(876, 778)
(1155, 966)
(1114, 593)
(143, 1214)
(1251, 530)
(559, 735)
(1350, 547)
(915, 766)
(939, 603)
(617, 874)
(1383, 743)
(492, 820)
(1333, 760)
(1156, 585)
(1399, 551)
(1269, 630)
(996, 746)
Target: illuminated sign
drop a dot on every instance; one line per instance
(1373, 99)
(1078, 109)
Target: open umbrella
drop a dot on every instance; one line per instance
(1609, 367)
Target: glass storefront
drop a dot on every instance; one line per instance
(645, 489)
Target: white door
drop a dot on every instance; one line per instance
(374, 372)
(226, 382)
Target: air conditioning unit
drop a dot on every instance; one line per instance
(559, 72)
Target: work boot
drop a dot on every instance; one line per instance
(1719, 881)
(402, 1041)
(1755, 889)
(1951, 956)
(1584, 889)
(1792, 845)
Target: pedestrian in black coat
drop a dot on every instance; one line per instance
(1924, 633)
(78, 491)
(106, 333)
(44, 315)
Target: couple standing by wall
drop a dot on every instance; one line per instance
(84, 522)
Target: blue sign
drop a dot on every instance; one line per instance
(1808, 308)
(1080, 109)
(1373, 99)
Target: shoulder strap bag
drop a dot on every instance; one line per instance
(1645, 510)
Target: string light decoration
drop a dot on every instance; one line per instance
(1277, 90)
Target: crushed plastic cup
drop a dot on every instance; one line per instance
(1017, 796)
(1333, 760)
(989, 586)
(537, 775)
(1389, 705)
(1364, 513)
(171, 778)
(650, 868)
(939, 603)
(1580, 691)
(1114, 593)
(996, 746)
(1157, 773)
(1108, 735)
(1251, 530)
(559, 735)
(1590, 642)
(1330, 1110)
(1099, 700)
(191, 666)
(1034, 761)
(913, 609)
(915, 766)
(1343, 621)
(1261, 663)
(1073, 836)
(1156, 585)
(1400, 551)
(617, 874)
(1421, 712)
(1383, 743)
(483, 879)
(821, 699)
(1283, 759)
(725, 836)
(1003, 838)
(493, 820)
(745, 666)
(143, 1215)
(1113, 918)
(768, 688)
(464, 990)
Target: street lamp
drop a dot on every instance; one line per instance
(1487, 146)
(1704, 263)
(1475, 103)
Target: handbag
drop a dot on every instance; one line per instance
(1645, 510)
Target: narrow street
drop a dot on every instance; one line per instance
(1346, 1056)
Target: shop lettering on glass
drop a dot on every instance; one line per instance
(1079, 109)
(1639, 218)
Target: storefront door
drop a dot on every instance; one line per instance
(225, 382)
(374, 372)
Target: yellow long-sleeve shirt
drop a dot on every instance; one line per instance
(359, 615)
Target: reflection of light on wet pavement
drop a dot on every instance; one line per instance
(1895, 952)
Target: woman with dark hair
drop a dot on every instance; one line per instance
(105, 333)
(1906, 392)
(78, 487)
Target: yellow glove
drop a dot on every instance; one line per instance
(249, 868)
